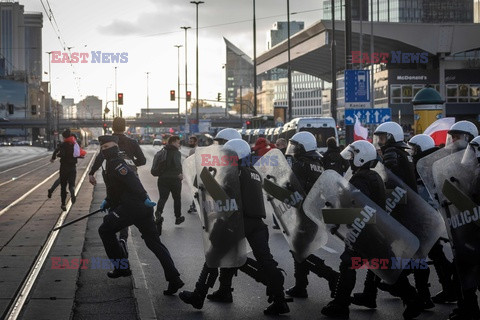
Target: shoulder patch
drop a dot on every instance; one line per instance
(122, 169)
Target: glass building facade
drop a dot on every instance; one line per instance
(413, 11)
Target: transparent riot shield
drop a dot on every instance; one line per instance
(190, 181)
(455, 180)
(412, 211)
(220, 207)
(285, 197)
(374, 234)
(425, 164)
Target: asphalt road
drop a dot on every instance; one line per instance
(186, 247)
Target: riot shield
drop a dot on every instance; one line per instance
(425, 164)
(455, 179)
(285, 196)
(220, 207)
(385, 239)
(411, 210)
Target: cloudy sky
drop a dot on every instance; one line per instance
(148, 30)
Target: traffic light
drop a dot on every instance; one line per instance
(104, 128)
(120, 98)
(189, 95)
(160, 122)
(248, 123)
(172, 95)
(219, 96)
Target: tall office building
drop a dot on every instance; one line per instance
(12, 37)
(238, 73)
(33, 46)
(476, 11)
(279, 32)
(413, 11)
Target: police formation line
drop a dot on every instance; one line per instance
(395, 202)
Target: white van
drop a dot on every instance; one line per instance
(322, 128)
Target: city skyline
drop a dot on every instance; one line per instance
(148, 35)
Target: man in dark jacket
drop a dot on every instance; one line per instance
(170, 180)
(68, 168)
(332, 158)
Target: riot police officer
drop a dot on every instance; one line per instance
(422, 145)
(256, 232)
(362, 156)
(132, 153)
(128, 204)
(395, 157)
(307, 167)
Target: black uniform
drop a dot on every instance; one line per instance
(307, 167)
(256, 232)
(68, 169)
(334, 161)
(371, 184)
(397, 160)
(133, 152)
(125, 198)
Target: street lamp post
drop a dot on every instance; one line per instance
(115, 108)
(254, 61)
(49, 110)
(148, 103)
(186, 82)
(196, 83)
(289, 66)
(178, 46)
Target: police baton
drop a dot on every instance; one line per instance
(76, 220)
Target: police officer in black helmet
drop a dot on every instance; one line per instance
(128, 204)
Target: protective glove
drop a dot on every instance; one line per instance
(104, 205)
(149, 203)
(390, 159)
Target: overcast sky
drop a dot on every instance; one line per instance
(148, 30)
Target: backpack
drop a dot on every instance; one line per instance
(159, 163)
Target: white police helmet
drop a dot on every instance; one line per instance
(472, 153)
(393, 131)
(361, 152)
(306, 139)
(467, 128)
(227, 134)
(240, 146)
(422, 142)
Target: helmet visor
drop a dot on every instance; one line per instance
(348, 153)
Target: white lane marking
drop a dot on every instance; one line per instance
(27, 194)
(22, 165)
(16, 178)
(17, 306)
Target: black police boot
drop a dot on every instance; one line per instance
(63, 207)
(279, 306)
(194, 298)
(339, 306)
(467, 307)
(223, 295)
(335, 309)
(117, 273)
(368, 298)
(318, 266)
(207, 279)
(173, 286)
(301, 280)
(179, 220)
(413, 308)
(424, 295)
(49, 193)
(445, 296)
